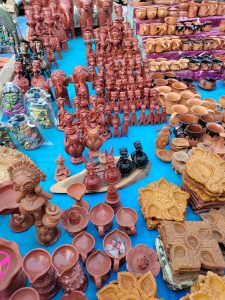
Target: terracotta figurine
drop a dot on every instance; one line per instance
(62, 171)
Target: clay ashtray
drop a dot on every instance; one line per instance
(75, 219)
(76, 191)
(164, 155)
(142, 259)
(76, 295)
(127, 217)
(8, 196)
(25, 294)
(101, 215)
(85, 245)
(116, 245)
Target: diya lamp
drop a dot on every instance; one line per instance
(112, 198)
(101, 215)
(85, 245)
(25, 293)
(127, 217)
(76, 192)
(62, 171)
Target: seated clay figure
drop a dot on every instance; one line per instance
(124, 164)
(139, 158)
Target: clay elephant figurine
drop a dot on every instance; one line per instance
(66, 10)
(105, 8)
(59, 82)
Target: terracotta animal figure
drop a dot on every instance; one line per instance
(66, 10)
(59, 82)
(105, 8)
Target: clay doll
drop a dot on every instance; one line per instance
(139, 158)
(108, 117)
(21, 81)
(124, 164)
(111, 173)
(49, 52)
(142, 120)
(59, 82)
(26, 178)
(116, 129)
(93, 141)
(116, 115)
(85, 8)
(62, 171)
(60, 32)
(125, 126)
(133, 118)
(92, 181)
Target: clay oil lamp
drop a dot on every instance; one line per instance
(76, 295)
(69, 272)
(98, 266)
(12, 276)
(85, 245)
(101, 215)
(25, 294)
(116, 245)
(142, 259)
(75, 219)
(112, 198)
(127, 217)
(76, 191)
(37, 266)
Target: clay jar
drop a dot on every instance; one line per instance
(70, 274)
(126, 218)
(117, 261)
(85, 245)
(38, 268)
(185, 96)
(141, 13)
(25, 294)
(98, 266)
(194, 133)
(170, 100)
(198, 111)
(12, 275)
(177, 110)
(151, 12)
(76, 295)
(101, 215)
(178, 87)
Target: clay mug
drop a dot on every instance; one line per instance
(151, 12)
(160, 46)
(212, 104)
(141, 13)
(178, 87)
(171, 29)
(212, 8)
(157, 75)
(144, 29)
(193, 132)
(183, 6)
(164, 66)
(197, 45)
(176, 44)
(207, 26)
(183, 13)
(198, 111)
(203, 10)
(154, 66)
(101, 215)
(191, 102)
(108, 239)
(194, 64)
(222, 26)
(220, 9)
(180, 29)
(98, 266)
(162, 12)
(171, 20)
(177, 110)
(172, 12)
(186, 45)
(213, 131)
(184, 121)
(206, 64)
(185, 96)
(154, 28)
(170, 100)
(204, 120)
(188, 28)
(85, 245)
(150, 46)
(175, 65)
(183, 63)
(163, 29)
(207, 44)
(126, 218)
(193, 9)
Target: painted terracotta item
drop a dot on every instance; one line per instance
(62, 171)
(126, 218)
(76, 192)
(25, 294)
(85, 245)
(5, 137)
(101, 215)
(139, 158)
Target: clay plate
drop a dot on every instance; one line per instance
(8, 196)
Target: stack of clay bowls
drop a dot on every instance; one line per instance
(179, 144)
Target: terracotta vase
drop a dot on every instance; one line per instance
(98, 266)
(101, 215)
(126, 218)
(70, 274)
(25, 294)
(12, 275)
(76, 295)
(76, 191)
(38, 268)
(85, 245)
(117, 235)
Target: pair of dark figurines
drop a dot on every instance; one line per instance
(138, 160)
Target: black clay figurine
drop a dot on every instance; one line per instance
(139, 158)
(124, 164)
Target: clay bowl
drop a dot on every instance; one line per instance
(25, 294)
(117, 261)
(85, 245)
(160, 82)
(76, 295)
(101, 215)
(8, 196)
(36, 263)
(75, 219)
(64, 258)
(178, 87)
(199, 111)
(127, 217)
(98, 266)
(163, 89)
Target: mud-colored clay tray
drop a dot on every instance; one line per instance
(8, 204)
(138, 174)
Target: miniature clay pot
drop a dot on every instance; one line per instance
(127, 217)
(69, 272)
(198, 111)
(177, 110)
(101, 215)
(85, 245)
(76, 191)
(213, 131)
(112, 236)
(170, 100)
(25, 294)
(142, 259)
(179, 160)
(98, 266)
(75, 219)
(12, 275)
(76, 295)
(37, 266)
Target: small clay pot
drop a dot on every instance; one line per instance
(194, 134)
(25, 294)
(194, 64)
(217, 65)
(198, 111)
(76, 295)
(85, 245)
(127, 217)
(184, 121)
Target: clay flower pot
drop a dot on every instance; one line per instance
(127, 217)
(109, 239)
(76, 191)
(37, 266)
(75, 219)
(25, 294)
(101, 215)
(98, 266)
(12, 276)
(85, 245)
(142, 259)
(76, 295)
(70, 274)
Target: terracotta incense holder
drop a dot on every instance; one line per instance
(85, 245)
(76, 192)
(101, 215)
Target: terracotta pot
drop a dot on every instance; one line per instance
(127, 217)
(76, 295)
(177, 110)
(98, 266)
(178, 87)
(185, 96)
(171, 29)
(25, 294)
(191, 102)
(170, 100)
(213, 131)
(151, 12)
(194, 134)
(114, 235)
(198, 111)
(204, 120)
(101, 215)
(170, 75)
(12, 275)
(141, 13)
(154, 66)
(85, 245)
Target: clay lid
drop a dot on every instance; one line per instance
(98, 263)
(126, 216)
(25, 294)
(76, 191)
(10, 262)
(101, 214)
(64, 258)
(8, 198)
(79, 221)
(76, 295)
(84, 242)
(36, 263)
(142, 259)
